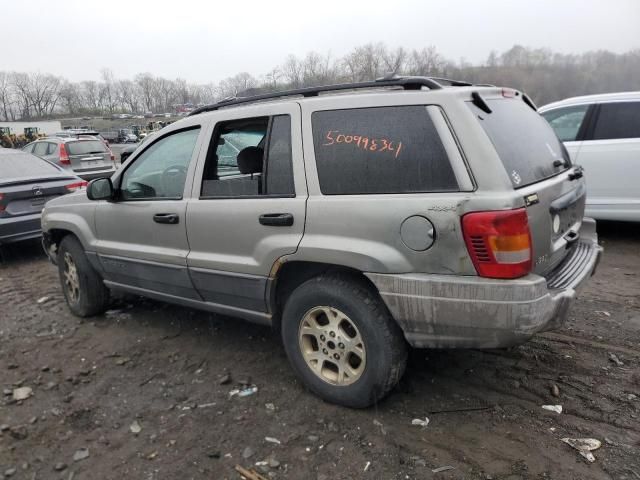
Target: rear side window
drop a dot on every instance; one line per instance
(380, 150)
(17, 165)
(40, 148)
(525, 142)
(566, 122)
(85, 147)
(618, 120)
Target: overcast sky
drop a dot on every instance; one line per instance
(205, 41)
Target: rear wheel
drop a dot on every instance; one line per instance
(341, 340)
(83, 288)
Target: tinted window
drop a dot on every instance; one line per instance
(40, 148)
(237, 165)
(161, 170)
(85, 147)
(380, 150)
(618, 120)
(525, 142)
(29, 148)
(566, 122)
(51, 148)
(279, 166)
(18, 164)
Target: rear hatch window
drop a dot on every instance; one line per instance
(85, 147)
(526, 144)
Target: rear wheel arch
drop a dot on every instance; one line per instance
(293, 274)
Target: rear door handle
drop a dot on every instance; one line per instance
(170, 218)
(276, 219)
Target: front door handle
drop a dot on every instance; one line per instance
(276, 219)
(170, 218)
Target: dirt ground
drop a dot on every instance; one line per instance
(162, 368)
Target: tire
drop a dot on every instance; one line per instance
(87, 296)
(356, 315)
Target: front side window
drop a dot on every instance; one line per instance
(380, 150)
(566, 122)
(618, 120)
(250, 157)
(161, 170)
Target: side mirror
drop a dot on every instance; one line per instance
(100, 189)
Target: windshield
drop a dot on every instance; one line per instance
(526, 144)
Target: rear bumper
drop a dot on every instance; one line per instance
(23, 227)
(446, 311)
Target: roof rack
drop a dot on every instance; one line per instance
(391, 80)
(407, 83)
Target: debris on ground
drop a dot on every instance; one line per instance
(555, 391)
(366, 467)
(249, 474)
(245, 392)
(380, 426)
(42, 300)
(614, 358)
(225, 379)
(272, 440)
(248, 452)
(270, 406)
(584, 446)
(420, 422)
(81, 454)
(60, 466)
(135, 427)
(553, 408)
(603, 312)
(22, 393)
(442, 469)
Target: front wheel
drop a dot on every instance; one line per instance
(341, 340)
(83, 289)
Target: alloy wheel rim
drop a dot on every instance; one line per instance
(71, 281)
(332, 346)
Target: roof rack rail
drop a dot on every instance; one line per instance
(407, 83)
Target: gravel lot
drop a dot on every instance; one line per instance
(166, 373)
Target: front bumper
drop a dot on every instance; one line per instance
(446, 311)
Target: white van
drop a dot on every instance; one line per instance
(602, 133)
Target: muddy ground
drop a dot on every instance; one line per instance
(160, 367)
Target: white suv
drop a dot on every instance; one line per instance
(602, 133)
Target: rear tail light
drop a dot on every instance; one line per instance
(64, 156)
(2, 207)
(113, 157)
(72, 187)
(499, 242)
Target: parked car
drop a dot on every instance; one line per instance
(26, 184)
(602, 134)
(401, 213)
(87, 157)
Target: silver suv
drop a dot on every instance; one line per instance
(85, 156)
(407, 211)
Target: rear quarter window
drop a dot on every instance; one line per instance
(380, 150)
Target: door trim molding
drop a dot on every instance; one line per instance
(250, 315)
